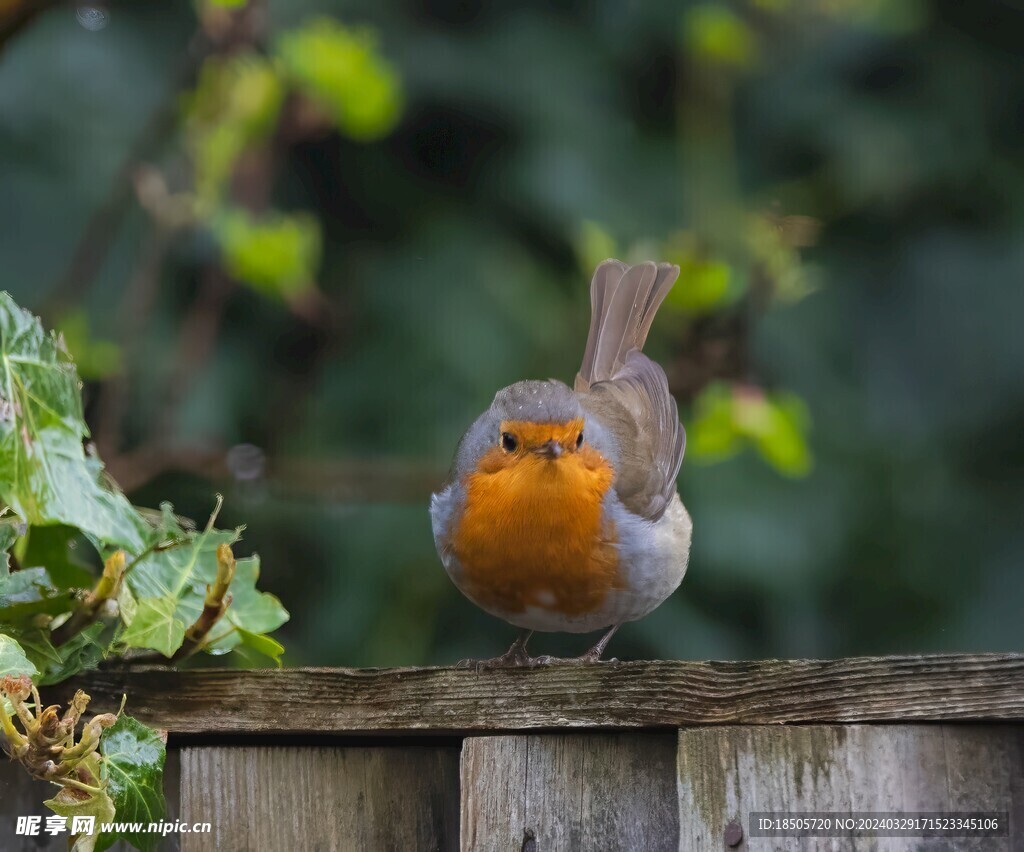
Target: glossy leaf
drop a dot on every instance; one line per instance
(133, 767)
(155, 626)
(44, 473)
(13, 660)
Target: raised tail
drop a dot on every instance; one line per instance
(624, 300)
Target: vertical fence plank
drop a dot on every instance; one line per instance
(565, 792)
(727, 772)
(321, 798)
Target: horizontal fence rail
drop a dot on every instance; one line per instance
(982, 687)
(647, 756)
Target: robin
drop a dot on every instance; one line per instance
(560, 513)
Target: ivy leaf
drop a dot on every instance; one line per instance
(82, 651)
(71, 803)
(13, 660)
(10, 530)
(133, 766)
(45, 476)
(29, 592)
(60, 549)
(251, 614)
(261, 644)
(154, 626)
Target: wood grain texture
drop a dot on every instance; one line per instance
(323, 799)
(20, 795)
(985, 687)
(727, 772)
(562, 793)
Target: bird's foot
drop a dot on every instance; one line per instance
(515, 657)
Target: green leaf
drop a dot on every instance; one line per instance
(71, 803)
(180, 572)
(154, 626)
(341, 71)
(13, 660)
(11, 529)
(82, 651)
(251, 612)
(45, 476)
(717, 35)
(94, 359)
(261, 644)
(133, 766)
(60, 549)
(28, 593)
(277, 254)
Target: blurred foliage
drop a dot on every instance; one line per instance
(841, 183)
(342, 72)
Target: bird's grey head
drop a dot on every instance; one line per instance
(548, 401)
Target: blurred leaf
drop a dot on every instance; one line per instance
(777, 425)
(234, 106)
(716, 34)
(712, 434)
(726, 420)
(133, 768)
(45, 475)
(772, 245)
(94, 359)
(593, 245)
(278, 254)
(341, 71)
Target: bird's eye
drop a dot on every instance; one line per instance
(579, 440)
(508, 442)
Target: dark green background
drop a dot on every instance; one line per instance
(451, 265)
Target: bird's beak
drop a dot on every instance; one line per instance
(550, 449)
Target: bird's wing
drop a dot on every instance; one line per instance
(635, 405)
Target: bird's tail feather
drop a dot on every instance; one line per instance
(624, 300)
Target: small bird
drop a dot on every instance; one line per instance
(560, 513)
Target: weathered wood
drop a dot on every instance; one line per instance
(321, 798)
(562, 793)
(20, 795)
(725, 773)
(985, 687)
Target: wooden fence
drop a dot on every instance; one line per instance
(640, 756)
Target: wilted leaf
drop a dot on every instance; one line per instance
(44, 474)
(133, 766)
(71, 803)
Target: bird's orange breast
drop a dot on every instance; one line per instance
(532, 531)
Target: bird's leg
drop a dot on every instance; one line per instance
(594, 654)
(514, 656)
